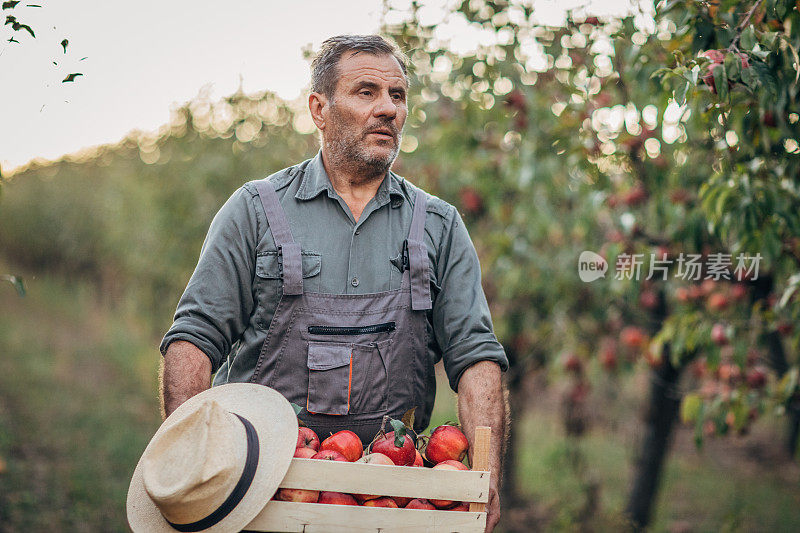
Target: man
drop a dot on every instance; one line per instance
(337, 282)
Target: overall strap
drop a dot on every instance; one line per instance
(288, 249)
(418, 256)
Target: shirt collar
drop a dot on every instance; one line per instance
(315, 180)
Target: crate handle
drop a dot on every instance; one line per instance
(480, 458)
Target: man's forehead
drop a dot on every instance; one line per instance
(356, 66)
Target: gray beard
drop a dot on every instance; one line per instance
(346, 155)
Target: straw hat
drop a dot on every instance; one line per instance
(215, 462)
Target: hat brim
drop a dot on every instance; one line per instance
(276, 425)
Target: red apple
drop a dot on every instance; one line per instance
(345, 442)
(738, 291)
(304, 453)
(682, 294)
(329, 455)
(418, 459)
(717, 302)
(462, 506)
(446, 442)
(648, 299)
(375, 459)
(337, 498)
(447, 465)
(383, 501)
(572, 363)
(419, 503)
(402, 456)
(729, 373)
(756, 378)
(717, 57)
(306, 438)
(297, 495)
(632, 337)
(608, 358)
(718, 335)
(471, 200)
(634, 196)
(401, 501)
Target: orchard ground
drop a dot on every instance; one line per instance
(78, 404)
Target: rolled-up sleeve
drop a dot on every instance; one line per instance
(461, 320)
(216, 306)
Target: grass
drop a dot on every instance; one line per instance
(78, 404)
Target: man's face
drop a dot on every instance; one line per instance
(367, 113)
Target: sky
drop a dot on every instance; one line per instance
(139, 59)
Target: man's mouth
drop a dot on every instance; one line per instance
(386, 134)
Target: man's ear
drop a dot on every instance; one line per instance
(318, 106)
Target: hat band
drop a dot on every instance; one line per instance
(238, 491)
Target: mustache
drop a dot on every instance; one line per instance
(389, 126)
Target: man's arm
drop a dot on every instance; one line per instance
(481, 403)
(186, 371)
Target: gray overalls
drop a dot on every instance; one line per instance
(348, 359)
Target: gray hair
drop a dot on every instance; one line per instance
(324, 72)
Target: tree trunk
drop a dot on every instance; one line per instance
(662, 411)
(762, 287)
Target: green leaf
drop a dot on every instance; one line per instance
(680, 95)
(721, 83)
(16, 282)
(733, 66)
(794, 284)
(691, 406)
(769, 39)
(399, 432)
(749, 79)
(782, 7)
(748, 38)
(788, 384)
(698, 426)
(296, 408)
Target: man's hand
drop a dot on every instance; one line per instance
(186, 371)
(481, 403)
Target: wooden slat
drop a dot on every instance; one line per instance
(480, 458)
(364, 478)
(323, 518)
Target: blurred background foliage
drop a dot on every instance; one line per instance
(669, 132)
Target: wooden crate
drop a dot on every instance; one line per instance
(361, 478)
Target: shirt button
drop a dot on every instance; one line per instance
(358, 232)
(354, 282)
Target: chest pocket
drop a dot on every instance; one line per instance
(268, 283)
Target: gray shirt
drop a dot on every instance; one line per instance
(231, 297)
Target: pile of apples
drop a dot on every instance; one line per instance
(446, 448)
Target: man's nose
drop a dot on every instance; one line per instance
(385, 106)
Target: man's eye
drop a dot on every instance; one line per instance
(366, 93)
(398, 97)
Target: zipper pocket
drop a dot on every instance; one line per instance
(351, 330)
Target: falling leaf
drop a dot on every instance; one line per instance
(64, 43)
(12, 40)
(408, 417)
(10, 5)
(10, 19)
(32, 5)
(18, 26)
(16, 282)
(71, 77)
(81, 59)
(56, 64)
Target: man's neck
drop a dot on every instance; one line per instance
(356, 191)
